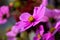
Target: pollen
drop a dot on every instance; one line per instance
(31, 19)
(52, 29)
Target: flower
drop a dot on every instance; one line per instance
(57, 27)
(47, 36)
(51, 32)
(37, 16)
(39, 33)
(45, 2)
(27, 20)
(44, 36)
(32, 19)
(53, 13)
(4, 14)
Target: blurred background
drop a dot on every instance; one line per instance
(16, 8)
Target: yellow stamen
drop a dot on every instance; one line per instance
(31, 19)
(52, 29)
(39, 36)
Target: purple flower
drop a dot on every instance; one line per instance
(4, 14)
(57, 27)
(51, 33)
(53, 30)
(28, 20)
(44, 2)
(32, 20)
(57, 10)
(47, 36)
(39, 33)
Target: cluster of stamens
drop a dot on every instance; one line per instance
(52, 29)
(31, 19)
(39, 36)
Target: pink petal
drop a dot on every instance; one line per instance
(11, 34)
(49, 13)
(57, 10)
(35, 38)
(52, 13)
(43, 19)
(52, 38)
(38, 9)
(5, 10)
(38, 12)
(21, 26)
(39, 16)
(1, 14)
(15, 29)
(0, 17)
(47, 36)
(44, 2)
(57, 25)
(35, 11)
(24, 16)
(41, 29)
(25, 26)
(41, 13)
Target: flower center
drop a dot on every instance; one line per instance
(52, 29)
(31, 19)
(4, 16)
(39, 36)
